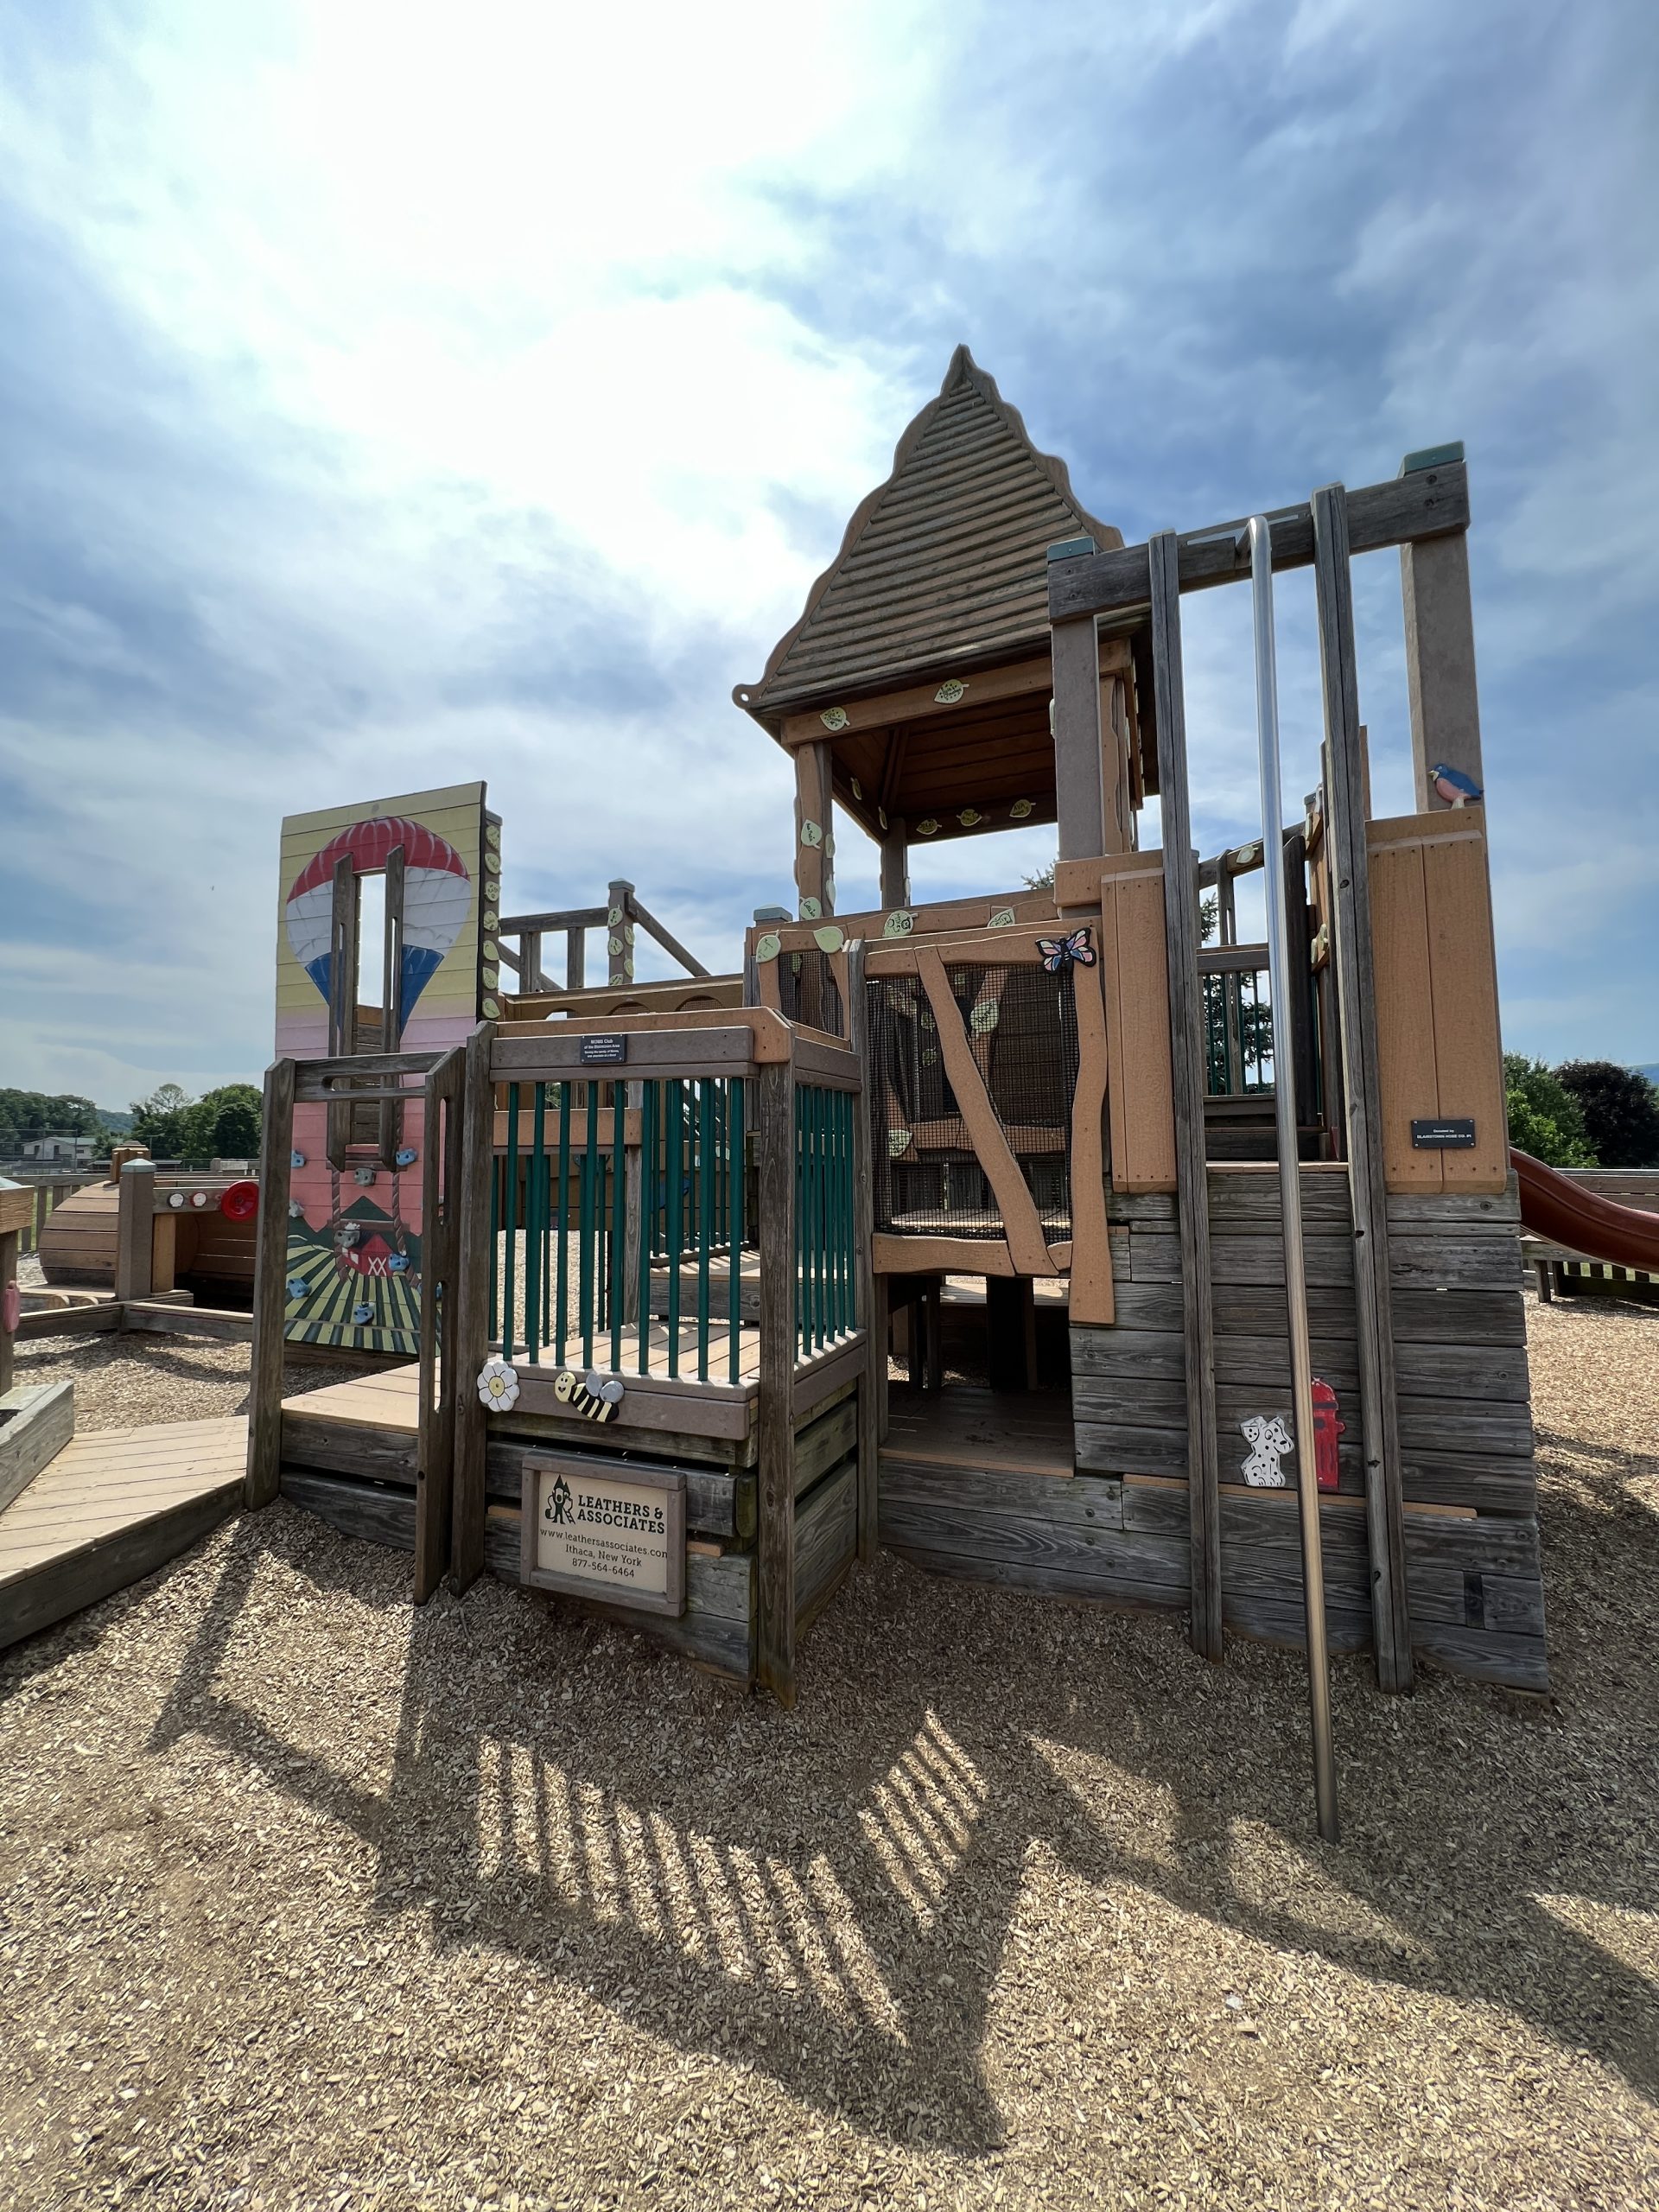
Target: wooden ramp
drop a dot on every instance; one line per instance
(113, 1506)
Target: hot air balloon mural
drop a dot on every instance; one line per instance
(353, 1273)
(437, 899)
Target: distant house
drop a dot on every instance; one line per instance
(60, 1152)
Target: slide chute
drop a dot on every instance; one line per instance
(1554, 1206)
(437, 899)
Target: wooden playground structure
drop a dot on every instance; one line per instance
(640, 1258)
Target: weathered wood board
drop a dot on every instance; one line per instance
(36, 1421)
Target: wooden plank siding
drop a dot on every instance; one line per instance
(1468, 1483)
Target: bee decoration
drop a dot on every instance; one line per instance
(597, 1399)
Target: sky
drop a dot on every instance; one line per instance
(392, 396)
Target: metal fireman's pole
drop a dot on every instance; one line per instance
(1290, 1181)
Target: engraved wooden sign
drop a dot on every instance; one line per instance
(599, 1532)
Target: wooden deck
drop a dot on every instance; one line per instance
(112, 1507)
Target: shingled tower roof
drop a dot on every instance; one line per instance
(943, 567)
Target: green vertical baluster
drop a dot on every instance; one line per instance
(535, 1228)
(510, 1285)
(562, 1262)
(675, 1133)
(647, 1191)
(850, 1107)
(495, 1252)
(619, 1218)
(705, 1218)
(585, 1240)
(734, 1216)
(800, 1222)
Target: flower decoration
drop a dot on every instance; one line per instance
(497, 1386)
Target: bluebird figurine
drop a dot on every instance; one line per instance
(1453, 786)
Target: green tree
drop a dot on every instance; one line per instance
(224, 1124)
(1545, 1118)
(162, 1123)
(1620, 1109)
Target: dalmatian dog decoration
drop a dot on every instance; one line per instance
(1268, 1440)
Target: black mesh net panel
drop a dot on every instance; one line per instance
(807, 990)
(1020, 1024)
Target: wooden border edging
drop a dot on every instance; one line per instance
(1357, 998)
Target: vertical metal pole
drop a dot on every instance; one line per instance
(1290, 1178)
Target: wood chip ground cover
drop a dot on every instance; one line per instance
(308, 1899)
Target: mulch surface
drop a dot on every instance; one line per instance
(309, 1899)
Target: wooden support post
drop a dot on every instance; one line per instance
(1351, 918)
(1441, 663)
(9, 1239)
(269, 1290)
(390, 1133)
(134, 1236)
(775, 1222)
(436, 1449)
(895, 867)
(815, 882)
(467, 1326)
(1078, 788)
(619, 933)
(875, 1366)
(1186, 1073)
(342, 995)
(531, 977)
(1298, 942)
(576, 960)
(815, 833)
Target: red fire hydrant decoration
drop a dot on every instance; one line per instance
(1326, 1429)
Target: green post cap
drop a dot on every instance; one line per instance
(1430, 457)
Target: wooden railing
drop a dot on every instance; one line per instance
(621, 915)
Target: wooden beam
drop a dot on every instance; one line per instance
(567, 917)
(269, 1289)
(1092, 1299)
(468, 1324)
(1431, 503)
(672, 945)
(1441, 664)
(1187, 1083)
(1357, 998)
(774, 1093)
(1077, 781)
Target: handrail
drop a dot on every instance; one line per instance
(1290, 1178)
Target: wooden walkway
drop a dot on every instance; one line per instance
(112, 1507)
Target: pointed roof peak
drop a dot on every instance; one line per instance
(943, 565)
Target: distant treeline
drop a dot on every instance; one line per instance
(1583, 1114)
(222, 1124)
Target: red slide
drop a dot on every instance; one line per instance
(1553, 1206)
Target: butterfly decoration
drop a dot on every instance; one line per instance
(1060, 953)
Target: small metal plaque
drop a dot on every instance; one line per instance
(596, 1532)
(604, 1051)
(1455, 1135)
